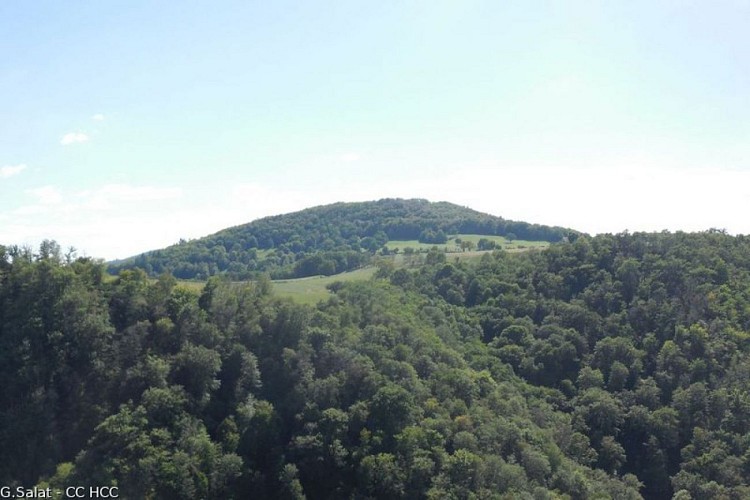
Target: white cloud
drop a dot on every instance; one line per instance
(11, 170)
(349, 157)
(126, 192)
(111, 195)
(46, 195)
(74, 138)
(112, 220)
(98, 117)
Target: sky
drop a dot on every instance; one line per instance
(127, 125)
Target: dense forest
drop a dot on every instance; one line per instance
(611, 367)
(325, 240)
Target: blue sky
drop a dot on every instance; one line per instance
(125, 126)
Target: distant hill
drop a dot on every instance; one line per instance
(327, 239)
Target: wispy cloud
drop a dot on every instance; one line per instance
(110, 195)
(74, 138)
(11, 170)
(46, 195)
(126, 192)
(98, 117)
(95, 220)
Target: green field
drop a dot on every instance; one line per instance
(452, 247)
(313, 289)
(196, 286)
(308, 290)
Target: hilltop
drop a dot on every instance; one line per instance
(327, 239)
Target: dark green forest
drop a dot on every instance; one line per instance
(325, 240)
(615, 367)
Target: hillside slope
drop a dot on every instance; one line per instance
(610, 367)
(230, 393)
(643, 336)
(326, 239)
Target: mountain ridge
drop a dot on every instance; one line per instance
(337, 237)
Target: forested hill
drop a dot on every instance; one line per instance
(326, 239)
(613, 367)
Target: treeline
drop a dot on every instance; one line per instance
(642, 339)
(384, 391)
(345, 235)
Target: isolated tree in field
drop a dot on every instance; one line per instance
(467, 245)
(486, 244)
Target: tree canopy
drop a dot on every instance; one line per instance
(608, 367)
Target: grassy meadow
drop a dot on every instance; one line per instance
(452, 247)
(312, 289)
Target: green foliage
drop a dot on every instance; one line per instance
(639, 335)
(610, 367)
